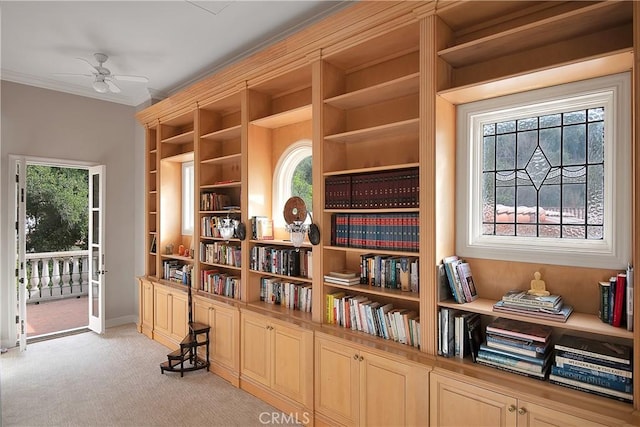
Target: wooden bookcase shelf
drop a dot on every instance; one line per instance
(581, 322)
(223, 134)
(399, 129)
(284, 118)
(402, 86)
(586, 18)
(376, 90)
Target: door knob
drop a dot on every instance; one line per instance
(511, 408)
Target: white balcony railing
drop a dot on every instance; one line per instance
(53, 275)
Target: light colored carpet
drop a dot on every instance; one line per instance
(114, 380)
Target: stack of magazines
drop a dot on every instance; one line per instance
(599, 367)
(542, 307)
(518, 347)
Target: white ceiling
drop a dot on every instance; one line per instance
(173, 43)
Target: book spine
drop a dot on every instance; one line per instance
(595, 357)
(583, 364)
(513, 369)
(571, 370)
(507, 353)
(532, 348)
(629, 297)
(618, 306)
(603, 313)
(593, 380)
(590, 388)
(509, 361)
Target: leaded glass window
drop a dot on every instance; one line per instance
(543, 176)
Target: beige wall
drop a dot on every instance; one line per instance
(47, 124)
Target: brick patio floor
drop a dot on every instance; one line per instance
(57, 315)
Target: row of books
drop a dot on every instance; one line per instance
(214, 201)
(261, 228)
(393, 272)
(359, 313)
(460, 279)
(220, 253)
(220, 283)
(616, 300)
(551, 307)
(459, 333)
(371, 190)
(392, 231)
(593, 366)
(210, 226)
(175, 271)
(293, 295)
(284, 261)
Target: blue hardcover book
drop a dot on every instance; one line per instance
(518, 356)
(512, 362)
(595, 349)
(572, 359)
(530, 348)
(606, 376)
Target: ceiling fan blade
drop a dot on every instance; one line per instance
(92, 68)
(112, 86)
(71, 75)
(139, 79)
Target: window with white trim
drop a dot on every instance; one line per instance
(544, 176)
(187, 198)
(292, 177)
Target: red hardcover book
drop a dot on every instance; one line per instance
(619, 303)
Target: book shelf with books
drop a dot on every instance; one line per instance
(371, 174)
(218, 173)
(175, 146)
(151, 209)
(478, 63)
(279, 115)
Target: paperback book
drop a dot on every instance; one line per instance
(523, 330)
(560, 315)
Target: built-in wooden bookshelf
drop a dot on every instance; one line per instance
(376, 89)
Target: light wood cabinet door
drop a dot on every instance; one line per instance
(456, 403)
(146, 308)
(292, 362)
(355, 386)
(179, 316)
(533, 415)
(224, 334)
(161, 310)
(337, 388)
(256, 349)
(225, 337)
(392, 393)
(278, 356)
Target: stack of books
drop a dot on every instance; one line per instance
(460, 279)
(343, 277)
(542, 307)
(518, 347)
(597, 367)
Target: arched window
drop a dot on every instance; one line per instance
(292, 177)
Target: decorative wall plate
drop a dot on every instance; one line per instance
(295, 210)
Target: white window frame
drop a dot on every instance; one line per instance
(187, 198)
(614, 250)
(283, 175)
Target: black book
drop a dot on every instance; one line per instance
(474, 334)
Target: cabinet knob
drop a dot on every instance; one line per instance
(511, 408)
(355, 357)
(361, 358)
(522, 411)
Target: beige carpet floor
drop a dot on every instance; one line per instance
(114, 380)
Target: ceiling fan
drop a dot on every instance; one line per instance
(104, 81)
